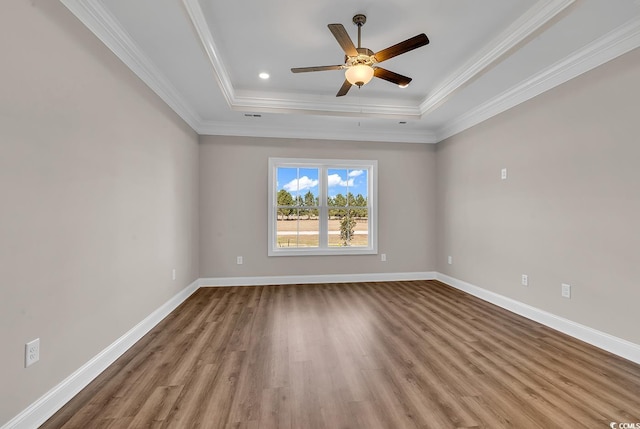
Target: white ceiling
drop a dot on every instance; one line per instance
(203, 57)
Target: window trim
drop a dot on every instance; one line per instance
(323, 166)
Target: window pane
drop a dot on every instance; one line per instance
(348, 228)
(297, 230)
(308, 184)
(347, 183)
(309, 232)
(336, 216)
(285, 179)
(361, 229)
(338, 183)
(359, 184)
(298, 183)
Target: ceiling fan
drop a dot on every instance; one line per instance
(361, 63)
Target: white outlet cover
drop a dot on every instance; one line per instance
(31, 352)
(525, 280)
(503, 174)
(566, 290)
(450, 260)
(239, 260)
(383, 257)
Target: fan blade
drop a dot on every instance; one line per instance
(315, 69)
(390, 76)
(344, 89)
(343, 39)
(402, 47)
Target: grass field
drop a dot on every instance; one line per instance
(304, 233)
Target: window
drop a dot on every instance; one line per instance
(322, 207)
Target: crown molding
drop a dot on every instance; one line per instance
(279, 104)
(95, 16)
(613, 44)
(105, 27)
(541, 13)
(360, 134)
(526, 25)
(202, 28)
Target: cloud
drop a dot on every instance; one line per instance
(355, 173)
(300, 184)
(335, 179)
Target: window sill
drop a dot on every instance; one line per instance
(323, 252)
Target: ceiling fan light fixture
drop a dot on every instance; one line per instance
(360, 74)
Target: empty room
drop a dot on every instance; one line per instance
(332, 214)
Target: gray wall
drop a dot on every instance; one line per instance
(570, 209)
(233, 207)
(98, 179)
(104, 190)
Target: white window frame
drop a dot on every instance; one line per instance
(323, 165)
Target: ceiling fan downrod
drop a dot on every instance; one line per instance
(359, 20)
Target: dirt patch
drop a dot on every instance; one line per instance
(304, 233)
(314, 225)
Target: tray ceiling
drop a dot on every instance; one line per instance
(203, 58)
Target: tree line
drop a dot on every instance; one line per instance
(307, 205)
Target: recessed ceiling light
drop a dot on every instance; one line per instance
(263, 75)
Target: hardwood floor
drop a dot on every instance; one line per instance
(364, 355)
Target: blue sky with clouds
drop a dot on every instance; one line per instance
(340, 181)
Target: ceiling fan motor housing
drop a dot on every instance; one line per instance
(359, 19)
(365, 56)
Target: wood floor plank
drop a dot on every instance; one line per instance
(157, 407)
(416, 354)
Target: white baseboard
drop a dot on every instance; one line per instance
(38, 412)
(307, 279)
(615, 345)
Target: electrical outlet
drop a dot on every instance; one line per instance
(173, 274)
(503, 174)
(566, 291)
(239, 260)
(383, 257)
(525, 280)
(450, 260)
(31, 352)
